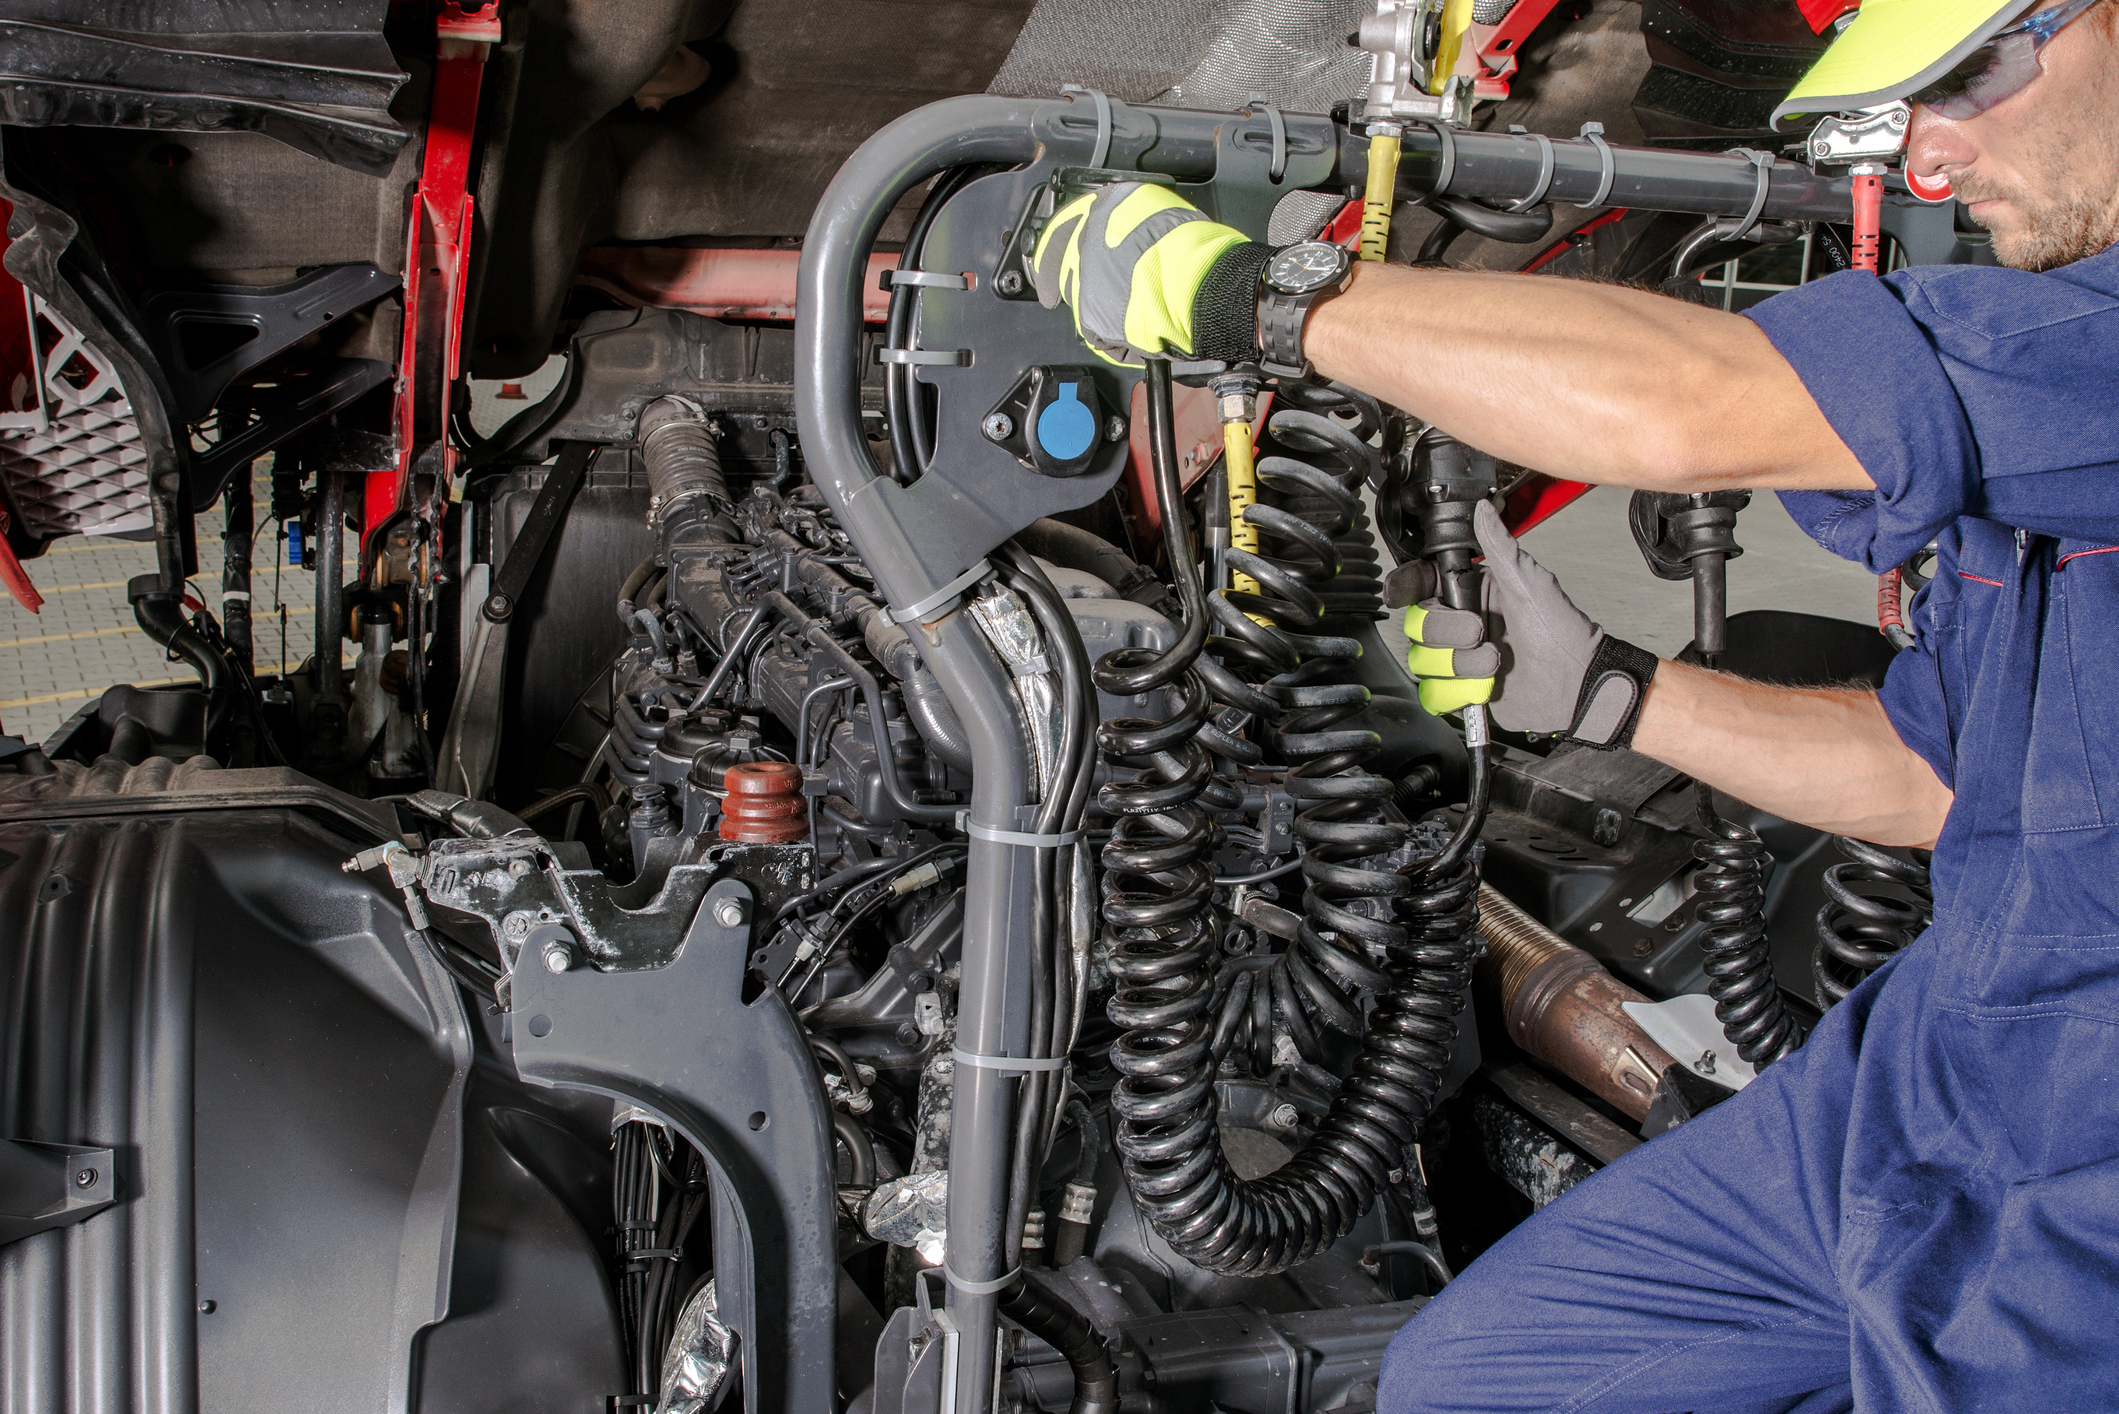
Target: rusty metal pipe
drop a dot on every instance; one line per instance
(1563, 1007)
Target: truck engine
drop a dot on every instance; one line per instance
(878, 861)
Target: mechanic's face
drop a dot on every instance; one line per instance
(2040, 169)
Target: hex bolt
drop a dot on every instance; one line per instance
(519, 868)
(997, 426)
(730, 913)
(1115, 428)
(558, 957)
(1283, 1117)
(1642, 947)
(1010, 283)
(86, 1178)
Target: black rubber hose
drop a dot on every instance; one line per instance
(859, 1147)
(1071, 547)
(871, 692)
(473, 819)
(160, 614)
(1062, 1327)
(1514, 227)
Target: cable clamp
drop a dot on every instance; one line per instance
(1447, 171)
(951, 358)
(1021, 1065)
(919, 611)
(1763, 161)
(1545, 166)
(1258, 102)
(1102, 154)
(231, 596)
(1032, 667)
(981, 1288)
(930, 279)
(992, 836)
(1593, 133)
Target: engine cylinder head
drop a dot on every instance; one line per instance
(764, 804)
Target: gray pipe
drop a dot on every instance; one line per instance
(984, 128)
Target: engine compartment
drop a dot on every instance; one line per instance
(852, 872)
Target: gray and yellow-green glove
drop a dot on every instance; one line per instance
(1147, 273)
(1540, 662)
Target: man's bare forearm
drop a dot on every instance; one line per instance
(1825, 757)
(1592, 382)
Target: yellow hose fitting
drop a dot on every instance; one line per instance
(1382, 190)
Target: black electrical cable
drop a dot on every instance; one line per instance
(854, 874)
(909, 451)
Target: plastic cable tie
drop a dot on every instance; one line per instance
(1028, 841)
(1020, 1064)
(955, 358)
(1545, 166)
(931, 279)
(1447, 171)
(1594, 133)
(981, 1288)
(919, 611)
(1274, 116)
(1763, 161)
(1035, 667)
(1102, 154)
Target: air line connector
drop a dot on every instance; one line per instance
(1236, 400)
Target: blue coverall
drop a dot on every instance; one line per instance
(1920, 1209)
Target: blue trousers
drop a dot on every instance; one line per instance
(1845, 1233)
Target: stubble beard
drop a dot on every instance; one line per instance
(2048, 232)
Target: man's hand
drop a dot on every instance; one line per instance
(1133, 261)
(1558, 673)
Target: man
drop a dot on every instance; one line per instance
(1920, 1208)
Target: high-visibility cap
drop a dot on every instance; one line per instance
(1895, 48)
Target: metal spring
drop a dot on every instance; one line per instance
(1732, 906)
(1859, 928)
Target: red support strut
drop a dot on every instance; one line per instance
(437, 250)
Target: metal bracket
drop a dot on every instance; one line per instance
(550, 507)
(43, 1186)
(738, 1080)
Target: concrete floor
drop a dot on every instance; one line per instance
(84, 638)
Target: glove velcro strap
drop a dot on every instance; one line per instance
(1609, 705)
(1225, 311)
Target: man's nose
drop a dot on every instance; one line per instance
(1937, 148)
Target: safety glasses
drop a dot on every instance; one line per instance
(2000, 67)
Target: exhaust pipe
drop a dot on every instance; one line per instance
(1562, 1006)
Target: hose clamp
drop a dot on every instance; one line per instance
(981, 1288)
(1027, 841)
(1593, 133)
(919, 611)
(1021, 1065)
(930, 279)
(1545, 166)
(1102, 154)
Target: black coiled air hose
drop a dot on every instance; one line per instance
(1162, 953)
(1731, 883)
(1307, 589)
(1861, 926)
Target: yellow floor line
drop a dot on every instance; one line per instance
(62, 637)
(83, 693)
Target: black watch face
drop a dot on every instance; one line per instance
(1301, 269)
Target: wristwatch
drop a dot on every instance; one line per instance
(1294, 282)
